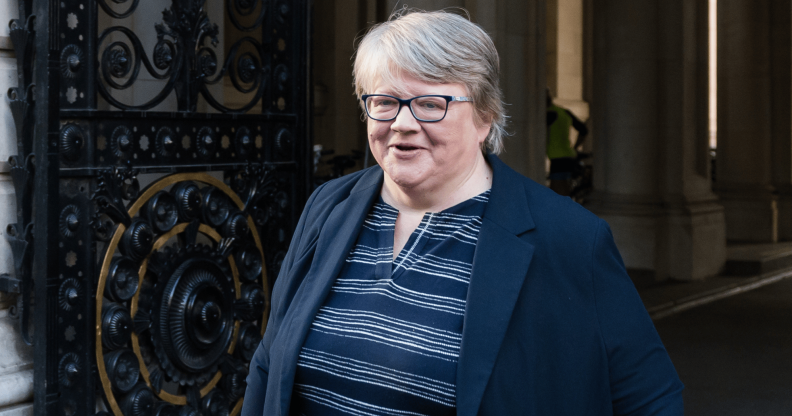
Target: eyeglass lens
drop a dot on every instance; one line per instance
(424, 108)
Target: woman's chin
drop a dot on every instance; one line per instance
(407, 178)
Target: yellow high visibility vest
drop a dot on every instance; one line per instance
(558, 144)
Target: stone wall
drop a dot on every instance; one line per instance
(16, 358)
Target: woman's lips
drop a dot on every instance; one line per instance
(405, 151)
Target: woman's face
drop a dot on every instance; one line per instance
(421, 155)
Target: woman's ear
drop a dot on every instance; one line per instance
(483, 129)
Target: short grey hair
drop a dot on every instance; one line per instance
(436, 47)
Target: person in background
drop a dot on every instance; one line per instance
(440, 281)
(562, 155)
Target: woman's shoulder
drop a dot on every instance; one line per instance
(547, 220)
(544, 201)
(333, 192)
(542, 204)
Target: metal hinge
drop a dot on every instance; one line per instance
(8, 284)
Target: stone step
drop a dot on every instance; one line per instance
(756, 259)
(17, 410)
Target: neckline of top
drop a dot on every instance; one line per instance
(480, 198)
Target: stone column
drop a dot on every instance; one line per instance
(337, 114)
(650, 105)
(625, 107)
(518, 29)
(691, 234)
(744, 179)
(781, 109)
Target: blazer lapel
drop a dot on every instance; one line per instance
(499, 268)
(336, 238)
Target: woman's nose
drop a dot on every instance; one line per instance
(405, 122)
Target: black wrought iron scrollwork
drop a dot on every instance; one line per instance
(117, 56)
(188, 200)
(72, 60)
(20, 238)
(69, 294)
(249, 263)
(20, 234)
(69, 369)
(236, 226)
(284, 143)
(21, 101)
(169, 272)
(251, 302)
(243, 142)
(246, 8)
(122, 280)
(116, 325)
(249, 338)
(137, 240)
(246, 72)
(124, 370)
(139, 402)
(193, 321)
(207, 63)
(161, 211)
(165, 143)
(215, 403)
(206, 142)
(200, 305)
(122, 60)
(113, 187)
(281, 77)
(265, 200)
(247, 67)
(164, 53)
(283, 11)
(22, 32)
(185, 57)
(216, 206)
(72, 139)
(121, 141)
(118, 15)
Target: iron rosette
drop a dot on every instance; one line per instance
(182, 300)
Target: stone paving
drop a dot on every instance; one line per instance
(735, 354)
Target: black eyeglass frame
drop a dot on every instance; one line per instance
(408, 103)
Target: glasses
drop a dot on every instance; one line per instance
(427, 108)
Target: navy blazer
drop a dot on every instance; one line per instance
(553, 324)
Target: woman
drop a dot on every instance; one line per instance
(442, 282)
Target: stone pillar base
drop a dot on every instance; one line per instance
(636, 239)
(785, 217)
(633, 220)
(692, 242)
(686, 242)
(751, 218)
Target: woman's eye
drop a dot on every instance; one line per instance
(430, 105)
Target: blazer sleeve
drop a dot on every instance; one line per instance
(256, 390)
(643, 380)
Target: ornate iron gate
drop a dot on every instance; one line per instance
(162, 164)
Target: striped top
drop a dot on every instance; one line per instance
(387, 339)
